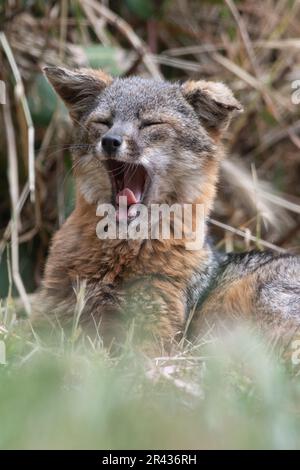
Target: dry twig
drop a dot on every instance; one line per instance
(115, 20)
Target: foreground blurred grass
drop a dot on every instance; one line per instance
(233, 392)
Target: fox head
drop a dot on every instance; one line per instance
(150, 140)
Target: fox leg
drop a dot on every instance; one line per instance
(156, 309)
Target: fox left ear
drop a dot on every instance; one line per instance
(212, 101)
(78, 88)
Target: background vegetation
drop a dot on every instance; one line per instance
(236, 392)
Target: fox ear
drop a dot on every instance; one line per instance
(212, 101)
(77, 88)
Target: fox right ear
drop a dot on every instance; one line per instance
(212, 101)
(77, 88)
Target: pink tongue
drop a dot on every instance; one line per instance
(133, 186)
(126, 192)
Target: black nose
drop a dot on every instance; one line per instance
(111, 143)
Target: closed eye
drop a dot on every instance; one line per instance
(151, 123)
(102, 122)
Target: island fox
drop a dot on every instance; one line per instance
(154, 142)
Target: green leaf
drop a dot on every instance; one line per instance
(142, 8)
(108, 58)
(42, 101)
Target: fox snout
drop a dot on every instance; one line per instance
(117, 140)
(111, 143)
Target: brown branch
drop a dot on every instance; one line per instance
(14, 197)
(21, 99)
(124, 28)
(251, 54)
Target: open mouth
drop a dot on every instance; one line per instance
(129, 181)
